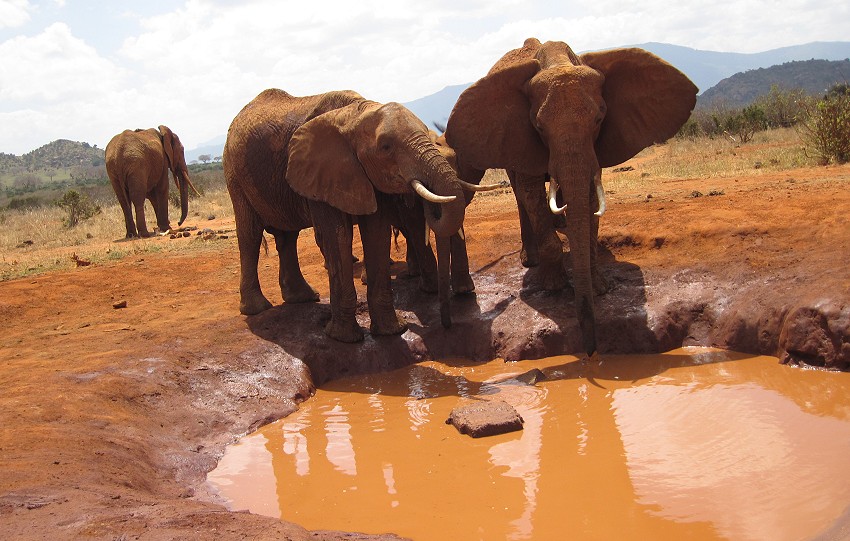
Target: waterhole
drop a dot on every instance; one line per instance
(693, 444)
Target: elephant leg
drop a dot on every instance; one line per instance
(249, 236)
(334, 230)
(528, 255)
(461, 280)
(136, 194)
(141, 223)
(531, 195)
(375, 236)
(159, 202)
(126, 209)
(293, 287)
(420, 256)
(444, 251)
(600, 283)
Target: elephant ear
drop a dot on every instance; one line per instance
(168, 144)
(648, 101)
(323, 166)
(490, 125)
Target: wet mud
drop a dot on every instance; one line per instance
(112, 418)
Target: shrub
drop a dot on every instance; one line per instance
(782, 108)
(825, 128)
(78, 206)
(30, 202)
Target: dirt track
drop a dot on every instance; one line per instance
(112, 417)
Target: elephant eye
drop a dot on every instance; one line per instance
(385, 145)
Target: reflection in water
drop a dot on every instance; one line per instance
(695, 444)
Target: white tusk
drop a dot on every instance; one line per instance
(427, 195)
(468, 186)
(553, 205)
(600, 194)
(461, 234)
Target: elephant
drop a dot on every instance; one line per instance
(137, 162)
(544, 113)
(449, 273)
(329, 161)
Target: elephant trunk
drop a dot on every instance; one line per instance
(183, 184)
(445, 219)
(577, 191)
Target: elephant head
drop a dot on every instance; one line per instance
(173, 149)
(544, 110)
(342, 156)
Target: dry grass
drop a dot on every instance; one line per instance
(101, 237)
(36, 241)
(771, 150)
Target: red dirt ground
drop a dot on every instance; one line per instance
(112, 417)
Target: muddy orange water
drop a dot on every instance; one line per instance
(715, 445)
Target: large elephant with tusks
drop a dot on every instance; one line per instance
(328, 161)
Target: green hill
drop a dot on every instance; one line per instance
(49, 169)
(814, 77)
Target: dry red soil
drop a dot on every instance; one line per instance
(111, 417)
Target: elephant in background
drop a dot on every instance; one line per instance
(545, 113)
(328, 161)
(137, 162)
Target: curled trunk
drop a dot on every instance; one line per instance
(438, 176)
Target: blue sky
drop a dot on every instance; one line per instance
(84, 70)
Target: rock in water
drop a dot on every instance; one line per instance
(485, 418)
(526, 378)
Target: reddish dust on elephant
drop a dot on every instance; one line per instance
(113, 416)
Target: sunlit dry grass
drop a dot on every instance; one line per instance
(769, 151)
(35, 241)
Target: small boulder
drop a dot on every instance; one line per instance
(526, 378)
(485, 418)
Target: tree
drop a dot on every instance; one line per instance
(825, 129)
(78, 206)
(204, 158)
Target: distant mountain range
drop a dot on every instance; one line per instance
(815, 77)
(705, 69)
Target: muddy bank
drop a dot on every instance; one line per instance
(112, 417)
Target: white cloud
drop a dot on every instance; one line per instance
(194, 66)
(52, 66)
(14, 13)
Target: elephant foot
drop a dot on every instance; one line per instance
(529, 258)
(300, 295)
(446, 314)
(348, 332)
(428, 284)
(386, 326)
(601, 285)
(553, 279)
(462, 284)
(254, 304)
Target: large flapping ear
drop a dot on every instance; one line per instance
(490, 125)
(168, 144)
(648, 101)
(324, 167)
